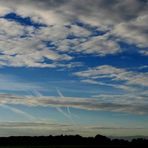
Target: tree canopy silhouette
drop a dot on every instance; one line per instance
(69, 140)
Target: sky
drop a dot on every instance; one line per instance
(74, 67)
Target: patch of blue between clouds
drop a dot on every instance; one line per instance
(93, 29)
(26, 21)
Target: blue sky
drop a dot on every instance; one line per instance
(68, 68)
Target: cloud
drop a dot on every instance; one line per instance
(125, 19)
(132, 83)
(30, 51)
(115, 74)
(121, 20)
(46, 47)
(134, 32)
(46, 128)
(114, 103)
(33, 128)
(31, 124)
(89, 81)
(98, 45)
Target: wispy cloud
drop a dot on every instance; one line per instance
(115, 74)
(116, 103)
(45, 128)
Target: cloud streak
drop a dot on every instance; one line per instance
(42, 128)
(114, 74)
(127, 104)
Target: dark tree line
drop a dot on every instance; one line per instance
(69, 140)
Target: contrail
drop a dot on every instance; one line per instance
(62, 96)
(37, 93)
(68, 108)
(69, 115)
(61, 111)
(58, 108)
(18, 111)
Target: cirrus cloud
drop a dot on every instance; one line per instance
(127, 104)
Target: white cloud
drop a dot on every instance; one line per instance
(98, 45)
(26, 46)
(89, 81)
(129, 25)
(115, 74)
(134, 32)
(29, 51)
(133, 83)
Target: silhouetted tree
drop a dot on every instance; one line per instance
(70, 140)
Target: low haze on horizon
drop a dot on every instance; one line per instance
(74, 67)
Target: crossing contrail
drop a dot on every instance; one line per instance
(62, 96)
(59, 109)
(69, 115)
(37, 93)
